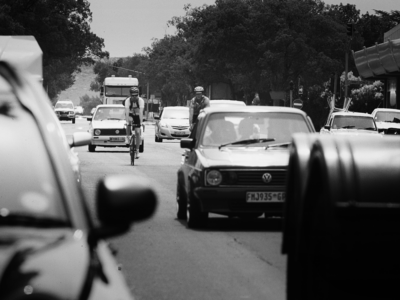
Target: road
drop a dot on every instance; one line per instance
(161, 258)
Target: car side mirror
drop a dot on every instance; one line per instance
(122, 200)
(89, 119)
(328, 127)
(188, 143)
(80, 139)
(156, 117)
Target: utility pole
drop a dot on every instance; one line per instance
(346, 81)
(291, 92)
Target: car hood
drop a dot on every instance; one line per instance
(386, 125)
(176, 122)
(244, 157)
(358, 132)
(51, 261)
(63, 109)
(109, 124)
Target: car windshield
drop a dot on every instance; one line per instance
(175, 114)
(64, 105)
(252, 129)
(110, 113)
(117, 91)
(30, 193)
(353, 122)
(388, 116)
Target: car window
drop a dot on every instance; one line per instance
(387, 116)
(353, 122)
(28, 182)
(225, 128)
(175, 114)
(110, 113)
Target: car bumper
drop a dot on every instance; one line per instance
(169, 133)
(233, 200)
(110, 141)
(62, 118)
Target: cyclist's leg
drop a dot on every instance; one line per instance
(138, 139)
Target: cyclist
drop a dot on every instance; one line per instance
(196, 104)
(134, 106)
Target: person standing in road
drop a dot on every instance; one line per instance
(134, 106)
(196, 104)
(256, 100)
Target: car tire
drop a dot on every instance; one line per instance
(92, 148)
(73, 121)
(195, 217)
(181, 203)
(157, 139)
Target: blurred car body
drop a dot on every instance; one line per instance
(235, 162)
(65, 110)
(350, 123)
(46, 232)
(108, 127)
(387, 120)
(173, 123)
(78, 110)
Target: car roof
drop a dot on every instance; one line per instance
(223, 101)
(176, 107)
(387, 109)
(351, 113)
(239, 108)
(109, 105)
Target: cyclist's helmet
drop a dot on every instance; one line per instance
(134, 91)
(199, 89)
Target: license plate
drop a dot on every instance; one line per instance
(117, 139)
(180, 132)
(257, 197)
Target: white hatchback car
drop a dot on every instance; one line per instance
(387, 120)
(173, 123)
(107, 127)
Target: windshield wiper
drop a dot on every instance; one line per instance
(283, 145)
(347, 127)
(368, 128)
(247, 142)
(31, 221)
(113, 119)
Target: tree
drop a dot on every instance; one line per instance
(88, 103)
(62, 30)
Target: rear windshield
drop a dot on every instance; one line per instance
(388, 116)
(117, 91)
(353, 122)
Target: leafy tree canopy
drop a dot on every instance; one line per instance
(62, 30)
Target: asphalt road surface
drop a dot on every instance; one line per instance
(161, 258)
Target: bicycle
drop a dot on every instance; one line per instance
(132, 143)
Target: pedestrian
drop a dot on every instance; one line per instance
(256, 100)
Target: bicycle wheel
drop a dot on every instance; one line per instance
(132, 149)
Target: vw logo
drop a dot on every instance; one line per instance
(116, 131)
(267, 177)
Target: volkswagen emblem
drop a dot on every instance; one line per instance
(267, 177)
(116, 131)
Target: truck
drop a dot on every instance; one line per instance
(116, 89)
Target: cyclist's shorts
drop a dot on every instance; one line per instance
(136, 121)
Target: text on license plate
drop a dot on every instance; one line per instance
(180, 132)
(265, 196)
(117, 139)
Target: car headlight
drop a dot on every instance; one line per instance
(71, 112)
(214, 177)
(164, 125)
(97, 132)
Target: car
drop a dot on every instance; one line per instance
(51, 248)
(235, 162)
(172, 123)
(65, 110)
(387, 120)
(226, 102)
(350, 123)
(108, 128)
(78, 110)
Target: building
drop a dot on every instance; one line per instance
(382, 62)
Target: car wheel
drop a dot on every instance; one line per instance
(92, 148)
(73, 121)
(181, 202)
(195, 217)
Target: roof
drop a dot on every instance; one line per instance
(351, 113)
(110, 105)
(387, 109)
(227, 102)
(24, 53)
(255, 109)
(176, 107)
(381, 59)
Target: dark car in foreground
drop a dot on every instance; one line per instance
(51, 249)
(235, 162)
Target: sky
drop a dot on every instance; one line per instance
(128, 26)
